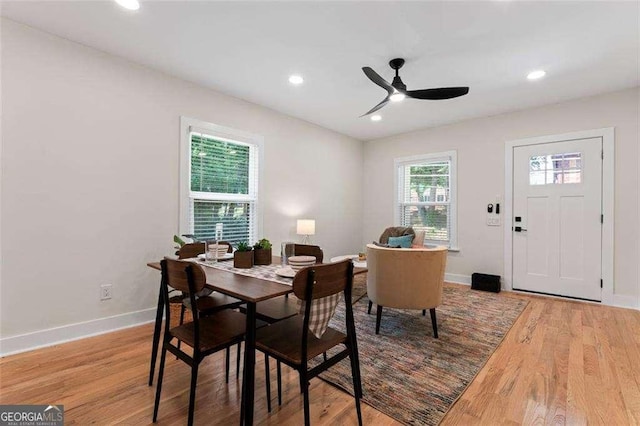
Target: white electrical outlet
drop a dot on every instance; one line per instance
(493, 220)
(105, 291)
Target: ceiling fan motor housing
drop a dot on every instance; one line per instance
(398, 84)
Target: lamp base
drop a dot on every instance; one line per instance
(306, 240)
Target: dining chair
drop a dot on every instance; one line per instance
(211, 302)
(297, 340)
(309, 250)
(207, 303)
(281, 308)
(206, 335)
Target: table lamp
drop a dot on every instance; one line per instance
(306, 227)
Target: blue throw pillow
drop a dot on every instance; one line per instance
(403, 242)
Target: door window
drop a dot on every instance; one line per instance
(555, 169)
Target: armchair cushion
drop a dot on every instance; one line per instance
(403, 242)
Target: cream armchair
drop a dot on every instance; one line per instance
(405, 279)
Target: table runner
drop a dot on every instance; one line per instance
(265, 272)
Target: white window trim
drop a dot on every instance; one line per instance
(187, 125)
(453, 204)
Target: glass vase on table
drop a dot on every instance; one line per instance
(287, 249)
(214, 248)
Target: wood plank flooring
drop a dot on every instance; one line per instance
(563, 362)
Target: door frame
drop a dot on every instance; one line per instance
(608, 189)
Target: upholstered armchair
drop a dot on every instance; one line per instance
(405, 279)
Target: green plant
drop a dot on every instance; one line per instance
(262, 244)
(179, 241)
(243, 246)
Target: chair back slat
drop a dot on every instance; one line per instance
(309, 250)
(330, 278)
(190, 250)
(177, 276)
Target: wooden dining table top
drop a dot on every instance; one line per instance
(249, 289)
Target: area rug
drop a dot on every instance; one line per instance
(407, 373)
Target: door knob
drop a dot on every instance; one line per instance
(519, 229)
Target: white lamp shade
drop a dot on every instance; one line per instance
(306, 227)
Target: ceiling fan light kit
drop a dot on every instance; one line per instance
(397, 90)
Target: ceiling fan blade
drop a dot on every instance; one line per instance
(373, 76)
(438, 94)
(377, 107)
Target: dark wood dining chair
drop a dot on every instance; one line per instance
(291, 342)
(214, 301)
(281, 308)
(206, 304)
(309, 250)
(205, 335)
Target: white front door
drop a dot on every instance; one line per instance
(557, 207)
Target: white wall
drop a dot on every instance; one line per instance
(480, 145)
(90, 178)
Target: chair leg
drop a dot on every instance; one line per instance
(226, 364)
(192, 392)
(159, 384)
(267, 379)
(279, 378)
(156, 337)
(369, 308)
(238, 360)
(357, 384)
(324, 355)
(378, 318)
(424, 312)
(304, 382)
(434, 323)
(242, 398)
(182, 309)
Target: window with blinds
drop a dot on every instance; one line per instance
(426, 196)
(223, 187)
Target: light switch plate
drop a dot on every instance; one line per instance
(493, 220)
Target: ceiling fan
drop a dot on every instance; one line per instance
(397, 90)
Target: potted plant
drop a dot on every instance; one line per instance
(243, 257)
(262, 252)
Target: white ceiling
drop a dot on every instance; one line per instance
(248, 50)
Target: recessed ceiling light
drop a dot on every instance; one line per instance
(534, 75)
(296, 79)
(129, 4)
(376, 117)
(397, 97)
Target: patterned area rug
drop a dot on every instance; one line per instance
(406, 372)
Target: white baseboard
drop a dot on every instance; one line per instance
(457, 278)
(623, 301)
(619, 300)
(67, 333)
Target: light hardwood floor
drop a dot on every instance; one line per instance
(562, 362)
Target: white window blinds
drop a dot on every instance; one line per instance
(426, 196)
(223, 187)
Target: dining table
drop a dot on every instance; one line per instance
(249, 289)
